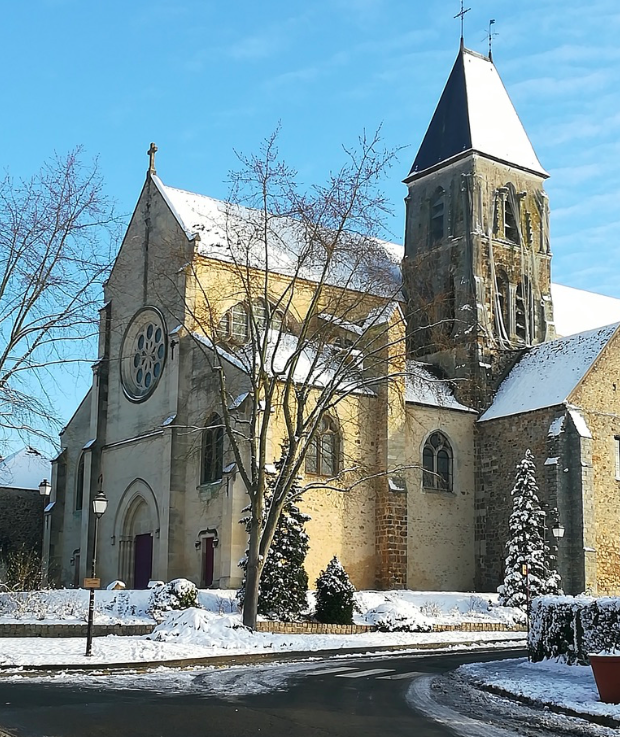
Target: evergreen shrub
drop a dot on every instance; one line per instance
(334, 595)
(175, 595)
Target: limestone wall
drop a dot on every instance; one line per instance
(440, 524)
(598, 401)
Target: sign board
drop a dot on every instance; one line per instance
(524, 569)
(92, 583)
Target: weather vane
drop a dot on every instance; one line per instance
(461, 15)
(491, 37)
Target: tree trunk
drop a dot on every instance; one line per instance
(252, 579)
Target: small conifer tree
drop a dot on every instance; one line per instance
(334, 595)
(526, 546)
(283, 587)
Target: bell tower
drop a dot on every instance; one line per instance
(477, 257)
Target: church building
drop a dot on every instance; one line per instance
(482, 359)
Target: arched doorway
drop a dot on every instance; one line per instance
(138, 522)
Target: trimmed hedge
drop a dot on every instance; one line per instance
(568, 628)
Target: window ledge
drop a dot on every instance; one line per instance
(433, 490)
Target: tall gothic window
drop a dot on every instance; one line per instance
(503, 301)
(79, 485)
(510, 223)
(322, 455)
(437, 215)
(212, 451)
(521, 312)
(437, 463)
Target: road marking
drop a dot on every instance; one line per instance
(364, 673)
(402, 676)
(329, 671)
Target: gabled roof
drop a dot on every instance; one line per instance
(235, 234)
(548, 373)
(475, 114)
(24, 469)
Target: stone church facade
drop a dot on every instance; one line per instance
(486, 377)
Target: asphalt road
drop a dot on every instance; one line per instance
(353, 697)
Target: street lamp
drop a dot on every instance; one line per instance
(45, 489)
(100, 504)
(558, 531)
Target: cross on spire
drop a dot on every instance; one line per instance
(151, 154)
(461, 15)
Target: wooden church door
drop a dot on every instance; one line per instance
(143, 560)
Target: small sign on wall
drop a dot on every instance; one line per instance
(92, 583)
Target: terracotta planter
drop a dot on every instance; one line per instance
(606, 669)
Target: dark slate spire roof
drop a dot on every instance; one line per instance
(475, 114)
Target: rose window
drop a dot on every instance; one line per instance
(144, 354)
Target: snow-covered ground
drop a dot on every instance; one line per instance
(413, 609)
(215, 628)
(548, 682)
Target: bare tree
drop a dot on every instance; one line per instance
(300, 320)
(57, 233)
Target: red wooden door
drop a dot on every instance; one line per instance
(207, 562)
(143, 561)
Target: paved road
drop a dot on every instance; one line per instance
(353, 697)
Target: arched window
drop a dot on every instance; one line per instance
(212, 451)
(437, 463)
(322, 455)
(79, 485)
(510, 222)
(437, 215)
(235, 325)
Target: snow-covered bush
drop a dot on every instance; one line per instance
(334, 595)
(526, 546)
(398, 616)
(431, 609)
(177, 594)
(569, 628)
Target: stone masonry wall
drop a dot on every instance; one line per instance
(500, 445)
(21, 520)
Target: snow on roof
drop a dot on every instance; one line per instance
(475, 113)
(318, 372)
(233, 233)
(24, 469)
(423, 387)
(576, 310)
(547, 373)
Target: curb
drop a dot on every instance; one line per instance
(223, 661)
(600, 719)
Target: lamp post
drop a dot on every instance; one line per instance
(100, 504)
(45, 489)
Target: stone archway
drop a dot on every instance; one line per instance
(137, 526)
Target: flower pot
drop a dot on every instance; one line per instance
(606, 669)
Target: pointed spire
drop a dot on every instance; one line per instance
(475, 114)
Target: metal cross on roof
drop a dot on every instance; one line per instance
(151, 154)
(461, 15)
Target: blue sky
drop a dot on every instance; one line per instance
(203, 78)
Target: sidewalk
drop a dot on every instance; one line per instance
(563, 689)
